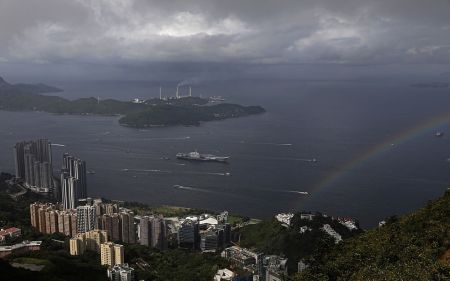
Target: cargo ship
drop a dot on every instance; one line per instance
(195, 156)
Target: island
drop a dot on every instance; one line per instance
(431, 85)
(139, 114)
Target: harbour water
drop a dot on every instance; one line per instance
(375, 146)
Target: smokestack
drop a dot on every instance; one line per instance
(160, 95)
(190, 91)
(177, 92)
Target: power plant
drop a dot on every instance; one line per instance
(177, 93)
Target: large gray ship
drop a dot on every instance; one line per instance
(195, 156)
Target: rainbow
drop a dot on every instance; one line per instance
(377, 150)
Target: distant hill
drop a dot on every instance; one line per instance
(415, 247)
(26, 88)
(431, 85)
(37, 88)
(153, 112)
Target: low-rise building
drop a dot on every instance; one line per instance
(224, 275)
(284, 218)
(9, 234)
(350, 223)
(121, 272)
(19, 248)
(304, 229)
(244, 258)
(309, 217)
(275, 268)
(330, 231)
(302, 265)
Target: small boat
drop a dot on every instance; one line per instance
(439, 134)
(91, 172)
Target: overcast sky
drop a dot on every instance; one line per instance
(125, 37)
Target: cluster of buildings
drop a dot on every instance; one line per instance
(350, 223)
(33, 164)
(177, 96)
(111, 254)
(34, 169)
(272, 267)
(49, 218)
(73, 182)
(98, 226)
(104, 227)
(204, 232)
(262, 267)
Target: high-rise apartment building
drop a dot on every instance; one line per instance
(111, 254)
(86, 219)
(105, 208)
(48, 218)
(111, 224)
(153, 232)
(73, 181)
(91, 240)
(128, 229)
(119, 226)
(77, 245)
(95, 238)
(188, 234)
(159, 237)
(41, 218)
(33, 164)
(145, 231)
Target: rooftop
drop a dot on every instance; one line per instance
(9, 231)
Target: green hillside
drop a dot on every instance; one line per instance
(412, 248)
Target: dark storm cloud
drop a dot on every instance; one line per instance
(136, 32)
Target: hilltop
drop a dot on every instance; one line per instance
(21, 88)
(413, 247)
